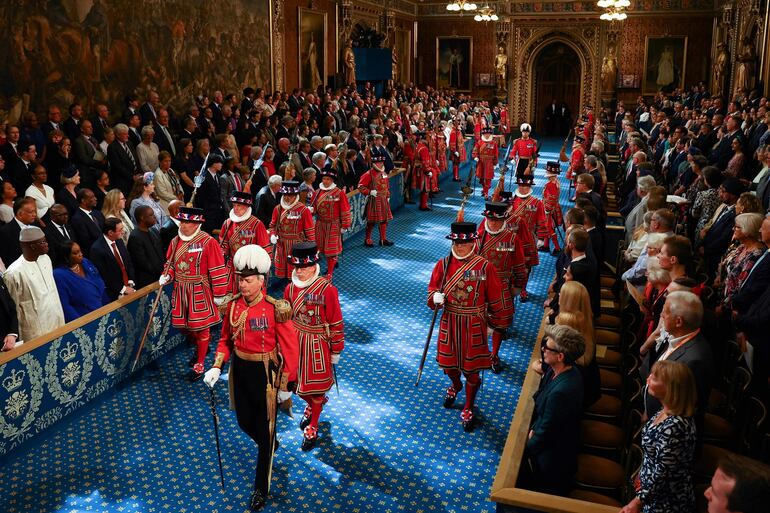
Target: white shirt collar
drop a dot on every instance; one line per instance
(578, 258)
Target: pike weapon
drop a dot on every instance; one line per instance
(215, 417)
(258, 163)
(563, 152)
(155, 304)
(466, 189)
(447, 261)
(336, 383)
(199, 178)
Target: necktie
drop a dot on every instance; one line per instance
(170, 141)
(64, 232)
(238, 182)
(120, 263)
(130, 156)
(93, 218)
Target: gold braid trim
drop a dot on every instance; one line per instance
(282, 308)
(237, 325)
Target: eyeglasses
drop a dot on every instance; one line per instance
(546, 348)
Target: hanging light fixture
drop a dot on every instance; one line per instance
(485, 14)
(461, 5)
(614, 9)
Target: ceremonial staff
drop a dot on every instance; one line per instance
(215, 417)
(258, 163)
(563, 151)
(448, 261)
(199, 178)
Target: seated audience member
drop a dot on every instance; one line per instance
(24, 215)
(31, 285)
(668, 443)
(81, 288)
(739, 485)
(67, 195)
(143, 193)
(9, 321)
(707, 201)
(554, 436)
(58, 231)
(40, 192)
(145, 248)
(110, 256)
(738, 263)
(115, 206)
(87, 222)
(716, 235)
(682, 341)
(575, 312)
(170, 228)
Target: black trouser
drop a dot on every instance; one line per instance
(249, 384)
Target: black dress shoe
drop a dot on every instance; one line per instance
(450, 396)
(386, 242)
(408, 202)
(194, 376)
(468, 421)
(425, 209)
(305, 422)
(368, 244)
(555, 252)
(456, 180)
(257, 500)
(497, 365)
(308, 443)
(543, 249)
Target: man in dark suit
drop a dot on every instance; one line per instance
(583, 267)
(111, 258)
(170, 227)
(247, 103)
(124, 164)
(682, 318)
(714, 244)
(20, 168)
(266, 200)
(285, 128)
(132, 107)
(722, 154)
(87, 222)
(163, 137)
(89, 162)
(9, 321)
(148, 110)
(135, 129)
(54, 120)
(25, 215)
(58, 231)
(295, 102)
(145, 249)
(71, 125)
(209, 196)
(583, 189)
(100, 122)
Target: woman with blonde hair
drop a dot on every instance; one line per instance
(575, 312)
(668, 443)
(115, 206)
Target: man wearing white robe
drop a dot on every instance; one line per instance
(30, 282)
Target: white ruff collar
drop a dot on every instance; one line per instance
(175, 221)
(287, 206)
(234, 218)
(522, 195)
(489, 231)
(459, 257)
(486, 138)
(302, 284)
(330, 188)
(191, 237)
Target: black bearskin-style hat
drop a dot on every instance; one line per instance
(328, 171)
(506, 196)
(190, 215)
(552, 168)
(244, 198)
(463, 232)
(496, 210)
(290, 187)
(526, 180)
(304, 254)
(487, 130)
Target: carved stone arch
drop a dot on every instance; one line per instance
(528, 44)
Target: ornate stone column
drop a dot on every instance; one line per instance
(502, 64)
(278, 45)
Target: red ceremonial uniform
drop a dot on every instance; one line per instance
(488, 155)
(524, 149)
(290, 226)
(377, 207)
(425, 165)
(456, 150)
(440, 152)
(199, 274)
(318, 319)
(575, 162)
(233, 236)
(473, 300)
(504, 121)
(531, 211)
(332, 209)
(552, 207)
(506, 254)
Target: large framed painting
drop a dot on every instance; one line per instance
(454, 62)
(664, 63)
(312, 48)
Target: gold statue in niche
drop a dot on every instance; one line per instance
(501, 69)
(609, 69)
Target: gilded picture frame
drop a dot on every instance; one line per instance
(312, 31)
(665, 61)
(454, 62)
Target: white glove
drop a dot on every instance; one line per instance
(540, 244)
(490, 331)
(457, 154)
(373, 193)
(164, 278)
(283, 396)
(437, 162)
(274, 239)
(212, 376)
(476, 159)
(311, 209)
(344, 230)
(335, 359)
(438, 298)
(219, 300)
(430, 174)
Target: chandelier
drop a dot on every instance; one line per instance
(461, 5)
(614, 9)
(486, 13)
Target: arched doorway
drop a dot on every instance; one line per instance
(557, 77)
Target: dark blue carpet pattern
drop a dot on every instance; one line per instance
(385, 446)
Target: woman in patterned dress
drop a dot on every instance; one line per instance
(738, 264)
(664, 484)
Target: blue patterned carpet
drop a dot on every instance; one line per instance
(385, 446)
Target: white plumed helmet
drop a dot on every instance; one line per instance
(250, 260)
(525, 127)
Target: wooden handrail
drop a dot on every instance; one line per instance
(504, 488)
